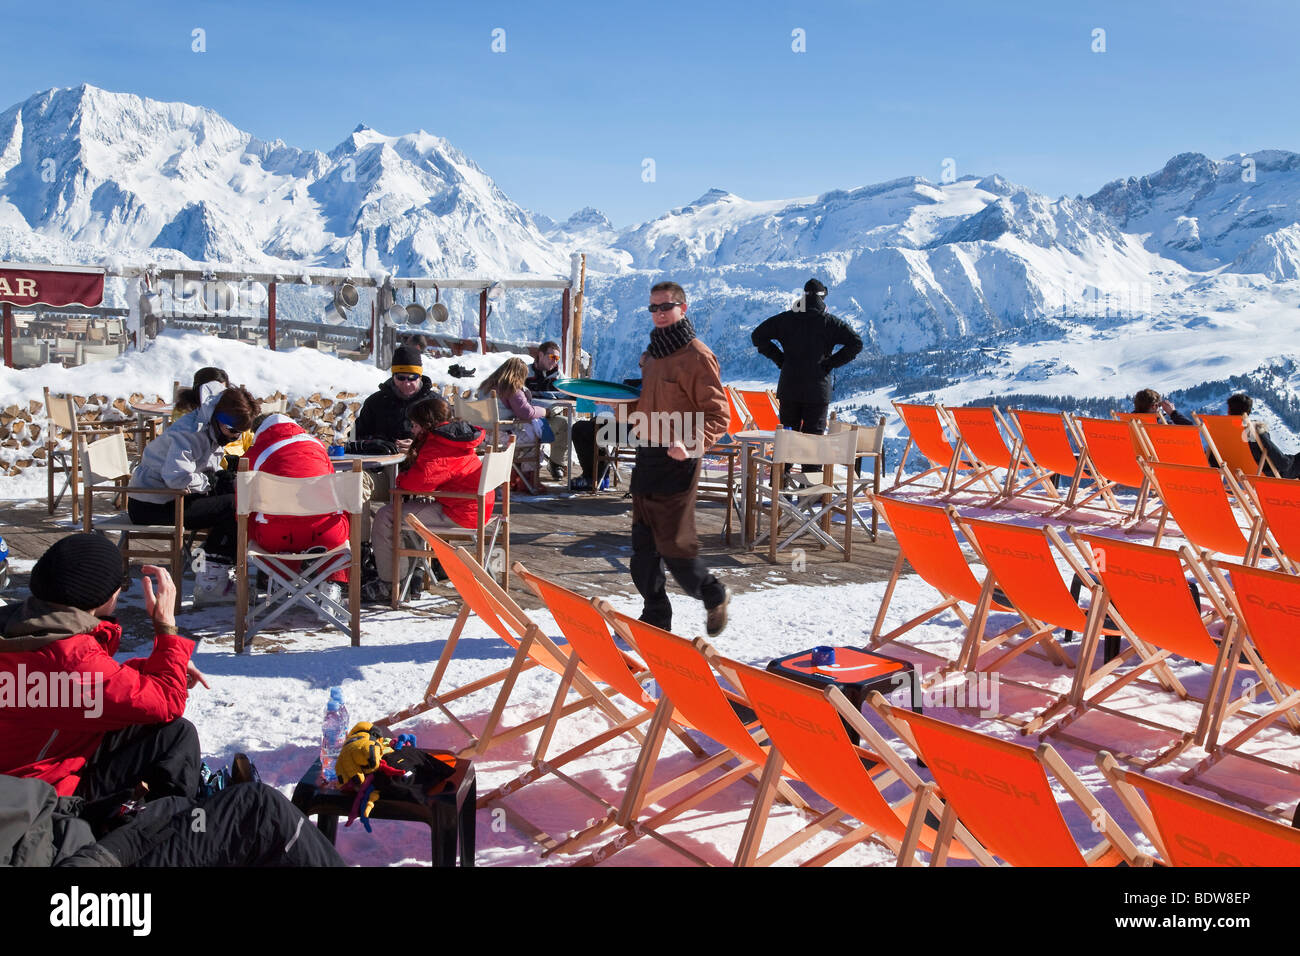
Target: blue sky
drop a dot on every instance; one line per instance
(712, 92)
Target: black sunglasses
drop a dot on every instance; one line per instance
(407, 378)
(663, 307)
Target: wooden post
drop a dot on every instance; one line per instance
(566, 353)
(9, 345)
(482, 322)
(270, 315)
(577, 318)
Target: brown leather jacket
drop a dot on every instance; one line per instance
(687, 386)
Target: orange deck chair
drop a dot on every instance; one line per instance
(760, 409)
(532, 648)
(1047, 437)
(592, 645)
(926, 541)
(1196, 497)
(1151, 603)
(1173, 444)
(1276, 506)
(1266, 605)
(1227, 437)
(982, 429)
(1190, 830)
(806, 727)
(684, 671)
(928, 428)
(1114, 459)
(1001, 792)
(1022, 562)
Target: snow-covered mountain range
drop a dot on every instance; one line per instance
(87, 174)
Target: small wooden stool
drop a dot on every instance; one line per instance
(448, 809)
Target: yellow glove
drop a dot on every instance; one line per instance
(361, 754)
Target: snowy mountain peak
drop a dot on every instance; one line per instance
(115, 171)
(588, 217)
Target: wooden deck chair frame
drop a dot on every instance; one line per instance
(984, 430)
(1108, 437)
(1188, 829)
(946, 569)
(1004, 796)
(1051, 440)
(1195, 496)
(1274, 503)
(482, 596)
(303, 586)
(713, 774)
(816, 504)
(62, 412)
(1018, 569)
(928, 428)
(1268, 627)
(105, 465)
(488, 529)
(1214, 706)
(591, 648)
(1231, 446)
(871, 444)
(806, 728)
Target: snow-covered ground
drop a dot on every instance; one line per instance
(269, 701)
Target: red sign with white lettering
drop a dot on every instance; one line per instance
(24, 287)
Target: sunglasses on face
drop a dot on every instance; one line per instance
(663, 307)
(406, 378)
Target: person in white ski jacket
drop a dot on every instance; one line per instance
(187, 457)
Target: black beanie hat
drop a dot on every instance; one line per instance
(81, 571)
(813, 287)
(408, 360)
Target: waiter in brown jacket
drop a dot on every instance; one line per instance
(681, 413)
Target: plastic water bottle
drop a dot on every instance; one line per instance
(334, 731)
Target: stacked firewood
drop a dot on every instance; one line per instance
(25, 429)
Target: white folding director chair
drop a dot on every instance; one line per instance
(807, 509)
(287, 586)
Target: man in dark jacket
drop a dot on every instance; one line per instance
(544, 370)
(384, 413)
(802, 342)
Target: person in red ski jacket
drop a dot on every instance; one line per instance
(70, 714)
(281, 447)
(442, 458)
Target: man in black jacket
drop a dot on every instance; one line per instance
(802, 342)
(544, 370)
(384, 413)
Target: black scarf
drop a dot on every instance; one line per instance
(666, 341)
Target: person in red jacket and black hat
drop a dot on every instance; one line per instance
(442, 458)
(113, 735)
(99, 727)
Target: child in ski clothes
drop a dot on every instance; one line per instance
(442, 458)
(281, 447)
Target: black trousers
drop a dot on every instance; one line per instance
(216, 512)
(663, 535)
(163, 756)
(247, 824)
(806, 417)
(583, 435)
